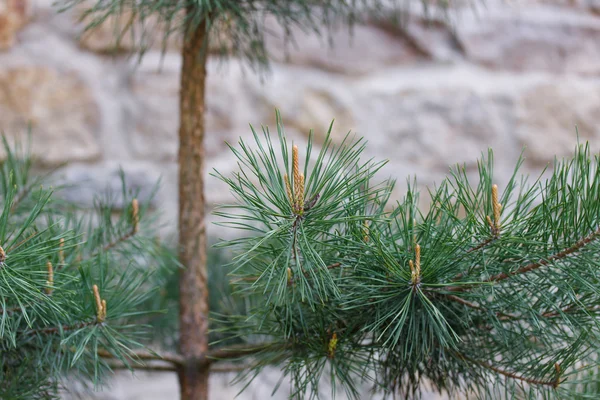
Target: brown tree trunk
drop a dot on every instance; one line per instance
(193, 302)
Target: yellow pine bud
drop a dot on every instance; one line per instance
(50, 281)
(135, 218)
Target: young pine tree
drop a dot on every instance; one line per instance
(238, 27)
(492, 292)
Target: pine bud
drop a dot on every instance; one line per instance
(50, 281)
(300, 194)
(135, 218)
(497, 207)
(288, 191)
(415, 268)
(332, 345)
(100, 305)
(298, 182)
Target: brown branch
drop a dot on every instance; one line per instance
(566, 310)
(237, 351)
(558, 256)
(505, 317)
(11, 310)
(56, 329)
(20, 197)
(499, 314)
(534, 265)
(146, 356)
(479, 246)
(212, 356)
(22, 241)
(117, 241)
(463, 302)
(114, 243)
(165, 367)
(144, 367)
(554, 382)
(254, 278)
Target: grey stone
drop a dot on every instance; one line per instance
(533, 37)
(57, 106)
(553, 115)
(84, 184)
(361, 50)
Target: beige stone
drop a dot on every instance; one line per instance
(126, 33)
(545, 38)
(58, 107)
(155, 111)
(318, 109)
(361, 50)
(13, 16)
(552, 114)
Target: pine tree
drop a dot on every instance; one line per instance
(238, 27)
(490, 292)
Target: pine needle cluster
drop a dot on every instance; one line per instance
(491, 291)
(71, 284)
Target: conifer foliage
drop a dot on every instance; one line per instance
(491, 291)
(71, 284)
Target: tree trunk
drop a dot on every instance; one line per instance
(193, 301)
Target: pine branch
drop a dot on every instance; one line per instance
(21, 195)
(553, 383)
(499, 314)
(210, 357)
(481, 245)
(306, 274)
(117, 241)
(144, 367)
(558, 256)
(11, 310)
(157, 367)
(478, 247)
(581, 243)
(567, 310)
(56, 329)
(171, 358)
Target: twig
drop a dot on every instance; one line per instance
(56, 329)
(212, 356)
(534, 265)
(554, 382)
(22, 241)
(144, 367)
(19, 197)
(166, 367)
(254, 278)
(135, 221)
(11, 310)
(463, 302)
(481, 245)
(171, 358)
(572, 307)
(499, 314)
(558, 256)
(238, 351)
(120, 239)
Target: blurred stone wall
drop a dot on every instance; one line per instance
(509, 75)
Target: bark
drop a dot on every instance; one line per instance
(193, 302)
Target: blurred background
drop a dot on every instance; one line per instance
(430, 93)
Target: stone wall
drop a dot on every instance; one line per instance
(511, 75)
